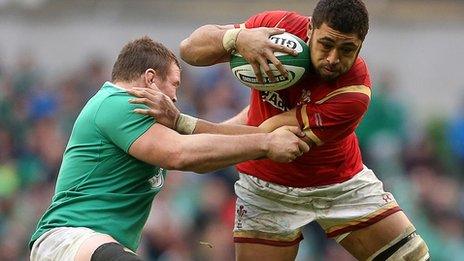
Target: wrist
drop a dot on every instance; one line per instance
(185, 124)
(176, 120)
(265, 145)
(229, 39)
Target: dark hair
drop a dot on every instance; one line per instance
(346, 16)
(139, 55)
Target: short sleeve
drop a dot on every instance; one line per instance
(336, 116)
(266, 19)
(118, 123)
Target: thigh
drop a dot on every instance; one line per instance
(67, 243)
(260, 252)
(268, 220)
(365, 242)
(355, 204)
(89, 245)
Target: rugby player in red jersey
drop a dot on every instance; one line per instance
(329, 184)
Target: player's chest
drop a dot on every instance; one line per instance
(303, 93)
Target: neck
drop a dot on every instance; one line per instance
(128, 85)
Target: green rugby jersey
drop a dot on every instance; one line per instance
(100, 186)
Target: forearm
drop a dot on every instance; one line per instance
(233, 126)
(287, 118)
(207, 152)
(240, 118)
(225, 128)
(204, 46)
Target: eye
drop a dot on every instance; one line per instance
(326, 46)
(347, 51)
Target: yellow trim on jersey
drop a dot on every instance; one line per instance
(310, 134)
(304, 117)
(349, 89)
(306, 128)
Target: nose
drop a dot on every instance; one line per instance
(333, 58)
(174, 99)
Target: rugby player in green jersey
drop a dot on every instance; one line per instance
(116, 161)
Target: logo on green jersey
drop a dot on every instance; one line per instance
(157, 181)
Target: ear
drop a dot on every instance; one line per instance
(149, 76)
(309, 33)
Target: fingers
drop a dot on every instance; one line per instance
(273, 31)
(295, 130)
(278, 47)
(278, 64)
(267, 69)
(303, 146)
(152, 96)
(144, 112)
(145, 92)
(141, 93)
(257, 71)
(145, 101)
(284, 49)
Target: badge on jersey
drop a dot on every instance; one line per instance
(157, 181)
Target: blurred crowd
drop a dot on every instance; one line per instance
(420, 162)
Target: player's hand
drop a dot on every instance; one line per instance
(255, 47)
(285, 144)
(161, 107)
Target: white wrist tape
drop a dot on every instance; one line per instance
(229, 39)
(186, 124)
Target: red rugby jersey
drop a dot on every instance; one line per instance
(328, 112)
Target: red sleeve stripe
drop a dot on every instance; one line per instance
(349, 89)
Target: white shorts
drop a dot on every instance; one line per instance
(272, 214)
(60, 244)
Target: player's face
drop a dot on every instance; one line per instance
(170, 84)
(332, 52)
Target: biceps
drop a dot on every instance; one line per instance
(287, 118)
(157, 146)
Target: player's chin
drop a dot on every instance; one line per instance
(328, 75)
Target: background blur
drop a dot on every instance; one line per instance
(55, 54)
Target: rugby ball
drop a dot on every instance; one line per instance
(296, 66)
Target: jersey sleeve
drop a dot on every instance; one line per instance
(118, 123)
(266, 19)
(336, 116)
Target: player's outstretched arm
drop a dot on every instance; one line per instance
(202, 153)
(287, 118)
(165, 112)
(211, 44)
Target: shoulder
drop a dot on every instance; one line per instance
(277, 18)
(115, 107)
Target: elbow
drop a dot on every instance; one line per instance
(174, 160)
(180, 160)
